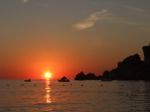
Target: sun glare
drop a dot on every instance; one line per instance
(48, 75)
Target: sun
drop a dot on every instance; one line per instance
(47, 75)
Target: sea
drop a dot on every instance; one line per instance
(74, 96)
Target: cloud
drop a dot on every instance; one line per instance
(140, 21)
(92, 19)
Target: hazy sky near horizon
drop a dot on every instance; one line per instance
(69, 36)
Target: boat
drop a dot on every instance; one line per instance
(27, 80)
(64, 79)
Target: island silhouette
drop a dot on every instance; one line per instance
(131, 68)
(64, 79)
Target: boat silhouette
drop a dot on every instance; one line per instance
(27, 80)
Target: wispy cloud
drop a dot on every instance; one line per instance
(140, 21)
(91, 20)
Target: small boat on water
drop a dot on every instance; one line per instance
(64, 79)
(27, 80)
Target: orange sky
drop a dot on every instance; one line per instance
(67, 37)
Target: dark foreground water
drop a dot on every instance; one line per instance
(76, 96)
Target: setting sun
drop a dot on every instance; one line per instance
(47, 75)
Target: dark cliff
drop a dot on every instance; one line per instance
(131, 68)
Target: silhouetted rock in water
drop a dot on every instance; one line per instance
(106, 76)
(131, 68)
(27, 80)
(130, 62)
(89, 76)
(64, 79)
(80, 76)
(146, 50)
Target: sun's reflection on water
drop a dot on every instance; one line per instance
(48, 92)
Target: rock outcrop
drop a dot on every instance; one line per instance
(89, 76)
(131, 68)
(64, 79)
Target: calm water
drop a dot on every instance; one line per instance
(87, 96)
